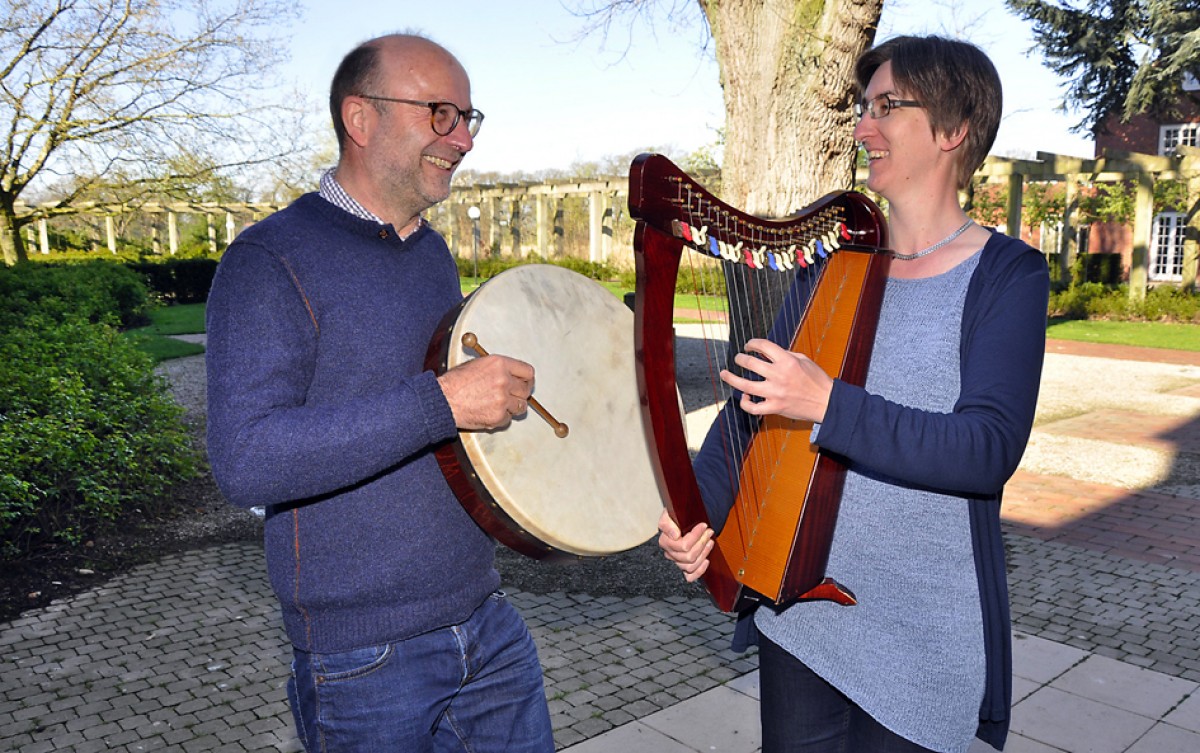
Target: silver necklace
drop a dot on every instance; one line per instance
(936, 246)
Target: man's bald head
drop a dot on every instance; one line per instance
(365, 67)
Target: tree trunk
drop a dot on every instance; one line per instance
(11, 243)
(787, 71)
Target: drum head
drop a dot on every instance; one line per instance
(592, 492)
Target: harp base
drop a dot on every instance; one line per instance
(744, 598)
(830, 590)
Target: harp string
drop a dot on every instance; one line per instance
(747, 311)
(712, 311)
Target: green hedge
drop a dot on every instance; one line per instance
(603, 271)
(490, 266)
(182, 280)
(88, 432)
(1101, 268)
(1093, 300)
(97, 291)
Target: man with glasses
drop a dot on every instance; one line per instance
(321, 410)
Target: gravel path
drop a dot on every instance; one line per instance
(1071, 386)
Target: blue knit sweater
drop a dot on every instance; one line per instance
(975, 449)
(319, 408)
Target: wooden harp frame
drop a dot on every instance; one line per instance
(778, 553)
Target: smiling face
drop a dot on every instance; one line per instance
(398, 165)
(903, 154)
(415, 165)
(956, 83)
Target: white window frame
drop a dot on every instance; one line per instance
(1173, 135)
(1166, 247)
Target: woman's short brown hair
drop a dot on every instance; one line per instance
(956, 83)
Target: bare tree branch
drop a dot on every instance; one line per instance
(603, 18)
(90, 88)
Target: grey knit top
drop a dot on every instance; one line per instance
(911, 652)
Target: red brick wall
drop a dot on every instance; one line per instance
(1111, 238)
(1140, 134)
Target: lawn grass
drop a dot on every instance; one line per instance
(189, 319)
(184, 319)
(1143, 334)
(162, 348)
(154, 339)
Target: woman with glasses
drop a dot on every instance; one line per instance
(922, 662)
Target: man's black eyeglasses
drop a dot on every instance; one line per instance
(443, 116)
(882, 106)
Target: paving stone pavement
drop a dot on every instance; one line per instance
(1140, 613)
(188, 653)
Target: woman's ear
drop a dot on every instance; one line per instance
(954, 139)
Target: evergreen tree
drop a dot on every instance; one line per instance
(1124, 57)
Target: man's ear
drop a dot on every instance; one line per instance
(357, 118)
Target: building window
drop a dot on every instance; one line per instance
(1179, 134)
(1166, 247)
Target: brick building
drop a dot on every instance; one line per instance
(1149, 134)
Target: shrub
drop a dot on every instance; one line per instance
(87, 432)
(1109, 303)
(1171, 304)
(595, 270)
(1102, 268)
(490, 266)
(98, 291)
(1093, 300)
(179, 279)
(705, 279)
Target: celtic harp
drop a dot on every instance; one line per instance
(769, 492)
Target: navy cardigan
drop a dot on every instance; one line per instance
(971, 451)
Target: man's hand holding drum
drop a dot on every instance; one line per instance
(486, 392)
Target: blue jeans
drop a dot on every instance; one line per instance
(801, 713)
(473, 687)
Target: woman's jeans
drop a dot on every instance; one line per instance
(473, 687)
(801, 713)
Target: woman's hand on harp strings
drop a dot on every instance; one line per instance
(792, 384)
(486, 392)
(690, 552)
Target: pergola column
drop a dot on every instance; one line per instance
(596, 206)
(1068, 246)
(172, 232)
(1143, 228)
(212, 233)
(1016, 194)
(544, 228)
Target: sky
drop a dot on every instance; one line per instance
(551, 98)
